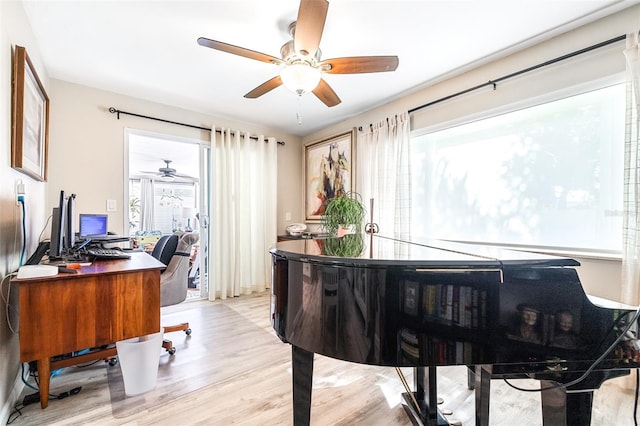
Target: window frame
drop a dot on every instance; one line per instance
(482, 114)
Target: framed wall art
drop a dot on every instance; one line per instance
(30, 119)
(328, 173)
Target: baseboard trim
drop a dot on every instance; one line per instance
(16, 391)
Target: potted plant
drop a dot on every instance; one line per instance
(344, 215)
(343, 218)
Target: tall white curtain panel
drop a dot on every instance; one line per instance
(243, 212)
(631, 230)
(384, 172)
(146, 205)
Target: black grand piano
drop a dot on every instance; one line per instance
(503, 313)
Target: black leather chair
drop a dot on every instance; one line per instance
(174, 251)
(165, 248)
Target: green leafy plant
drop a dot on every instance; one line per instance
(351, 245)
(134, 212)
(343, 212)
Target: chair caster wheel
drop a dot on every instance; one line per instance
(188, 331)
(171, 351)
(112, 361)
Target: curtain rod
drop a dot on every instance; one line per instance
(113, 110)
(523, 71)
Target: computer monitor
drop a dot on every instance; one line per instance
(70, 229)
(58, 222)
(93, 226)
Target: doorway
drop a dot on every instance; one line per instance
(166, 189)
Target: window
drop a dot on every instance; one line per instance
(548, 176)
(171, 201)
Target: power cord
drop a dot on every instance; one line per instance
(7, 278)
(624, 334)
(635, 400)
(25, 381)
(593, 365)
(33, 398)
(24, 229)
(45, 227)
(2, 293)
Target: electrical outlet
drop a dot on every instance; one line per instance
(287, 216)
(19, 191)
(111, 205)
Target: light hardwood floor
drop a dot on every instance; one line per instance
(234, 370)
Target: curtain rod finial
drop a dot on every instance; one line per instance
(112, 110)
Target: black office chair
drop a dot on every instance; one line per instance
(174, 251)
(165, 248)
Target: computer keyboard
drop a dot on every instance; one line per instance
(103, 253)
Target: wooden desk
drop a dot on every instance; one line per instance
(105, 302)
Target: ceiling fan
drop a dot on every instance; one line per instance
(301, 67)
(168, 173)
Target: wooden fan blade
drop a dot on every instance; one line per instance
(264, 88)
(360, 64)
(309, 25)
(240, 51)
(325, 93)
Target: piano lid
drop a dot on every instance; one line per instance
(379, 251)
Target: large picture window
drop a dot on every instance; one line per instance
(544, 176)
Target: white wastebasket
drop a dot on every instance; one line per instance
(139, 358)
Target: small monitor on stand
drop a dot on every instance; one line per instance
(93, 226)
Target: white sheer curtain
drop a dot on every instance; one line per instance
(631, 220)
(383, 173)
(631, 232)
(146, 204)
(243, 213)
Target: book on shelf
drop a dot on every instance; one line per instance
(447, 352)
(409, 346)
(456, 305)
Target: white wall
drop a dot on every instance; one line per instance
(87, 147)
(87, 157)
(14, 30)
(600, 277)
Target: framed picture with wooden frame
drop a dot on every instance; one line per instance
(328, 166)
(30, 119)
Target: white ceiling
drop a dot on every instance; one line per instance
(148, 49)
(147, 155)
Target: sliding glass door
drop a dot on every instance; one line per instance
(167, 181)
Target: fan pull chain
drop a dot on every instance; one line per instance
(298, 115)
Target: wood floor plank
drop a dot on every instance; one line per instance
(234, 370)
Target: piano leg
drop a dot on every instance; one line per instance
(482, 388)
(302, 371)
(561, 407)
(426, 396)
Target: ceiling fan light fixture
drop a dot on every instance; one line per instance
(300, 78)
